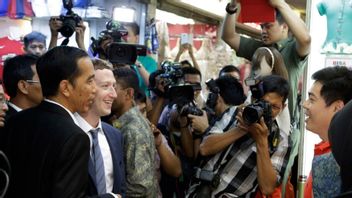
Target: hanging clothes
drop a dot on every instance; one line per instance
(19, 9)
(4, 5)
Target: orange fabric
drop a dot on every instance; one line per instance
(289, 193)
(319, 149)
(308, 188)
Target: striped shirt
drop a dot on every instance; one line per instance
(239, 175)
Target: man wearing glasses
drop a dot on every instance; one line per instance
(22, 83)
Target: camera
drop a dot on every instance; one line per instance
(172, 73)
(116, 51)
(253, 112)
(259, 108)
(176, 89)
(193, 110)
(69, 21)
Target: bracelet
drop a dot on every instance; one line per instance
(231, 9)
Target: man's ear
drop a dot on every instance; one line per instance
(22, 86)
(137, 39)
(65, 88)
(285, 27)
(130, 93)
(338, 105)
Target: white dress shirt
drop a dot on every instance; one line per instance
(18, 109)
(104, 148)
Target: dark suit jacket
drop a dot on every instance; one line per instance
(10, 112)
(115, 141)
(48, 154)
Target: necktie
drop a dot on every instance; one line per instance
(98, 163)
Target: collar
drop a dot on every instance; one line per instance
(124, 118)
(281, 44)
(84, 125)
(322, 147)
(17, 108)
(68, 111)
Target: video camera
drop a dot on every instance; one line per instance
(177, 91)
(259, 107)
(69, 21)
(116, 51)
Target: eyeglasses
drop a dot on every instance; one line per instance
(32, 81)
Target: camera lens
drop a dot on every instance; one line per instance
(68, 27)
(252, 114)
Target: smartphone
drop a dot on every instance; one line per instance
(186, 38)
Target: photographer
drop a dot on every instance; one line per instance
(55, 24)
(67, 25)
(224, 96)
(258, 158)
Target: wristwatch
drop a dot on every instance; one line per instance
(231, 9)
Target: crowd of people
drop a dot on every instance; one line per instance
(74, 125)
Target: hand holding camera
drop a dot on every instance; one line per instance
(258, 130)
(199, 123)
(80, 29)
(55, 24)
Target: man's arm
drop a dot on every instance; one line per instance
(229, 34)
(71, 174)
(139, 159)
(55, 24)
(170, 163)
(143, 72)
(295, 25)
(191, 54)
(80, 29)
(215, 143)
(267, 175)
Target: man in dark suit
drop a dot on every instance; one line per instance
(47, 151)
(107, 173)
(21, 83)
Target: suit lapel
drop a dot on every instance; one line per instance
(91, 170)
(113, 148)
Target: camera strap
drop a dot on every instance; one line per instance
(65, 42)
(223, 154)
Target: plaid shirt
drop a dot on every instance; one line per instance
(239, 175)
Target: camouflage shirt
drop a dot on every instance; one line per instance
(139, 156)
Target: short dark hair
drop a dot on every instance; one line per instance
(140, 97)
(127, 78)
(34, 36)
(15, 69)
(336, 84)
(230, 90)
(134, 27)
(280, 19)
(186, 63)
(228, 69)
(59, 63)
(191, 70)
(276, 84)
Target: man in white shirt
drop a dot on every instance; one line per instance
(106, 165)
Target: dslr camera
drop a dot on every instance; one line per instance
(117, 52)
(69, 21)
(259, 108)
